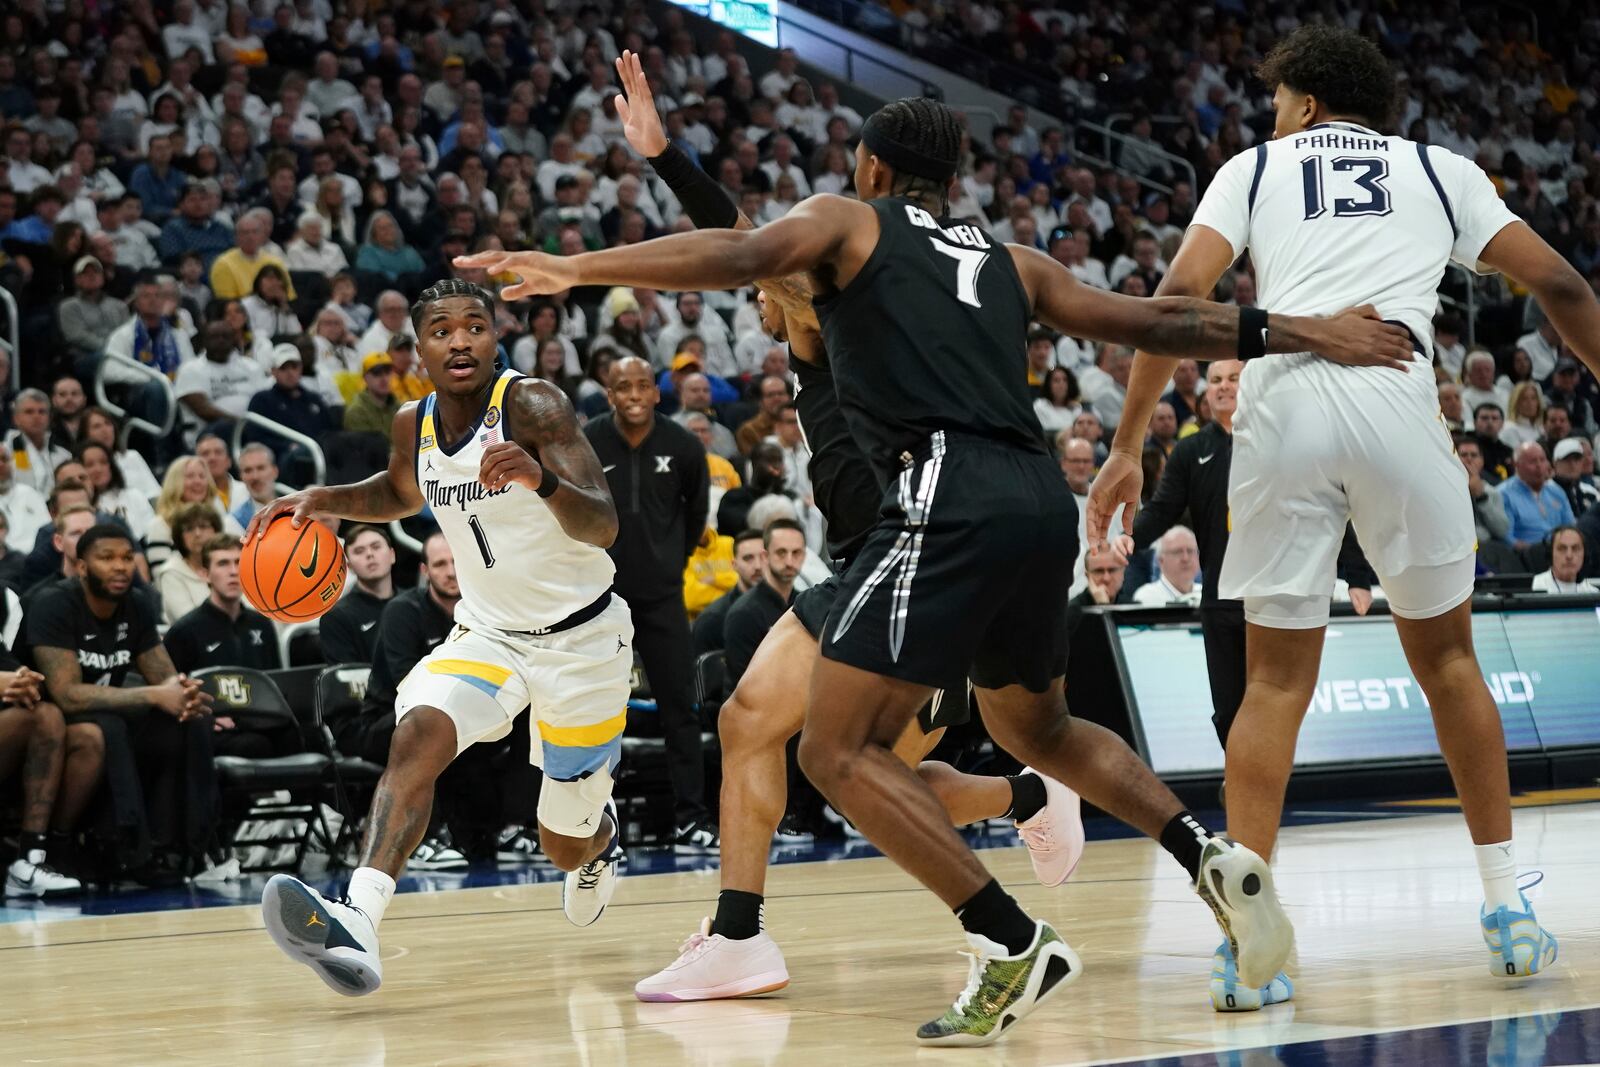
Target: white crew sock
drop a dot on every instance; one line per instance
(1497, 865)
(371, 890)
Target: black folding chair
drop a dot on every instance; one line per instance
(341, 689)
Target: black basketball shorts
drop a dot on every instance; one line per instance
(966, 573)
(811, 608)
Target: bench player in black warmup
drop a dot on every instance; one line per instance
(924, 320)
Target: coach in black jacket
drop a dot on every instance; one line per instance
(658, 477)
(1196, 481)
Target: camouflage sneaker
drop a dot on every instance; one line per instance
(1002, 989)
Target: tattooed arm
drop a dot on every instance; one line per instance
(545, 438)
(174, 694)
(389, 494)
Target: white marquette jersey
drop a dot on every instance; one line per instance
(518, 569)
(1338, 215)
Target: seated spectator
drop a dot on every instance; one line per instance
(233, 273)
(1105, 385)
(723, 475)
(758, 610)
(258, 469)
(694, 398)
(773, 393)
(23, 507)
(268, 304)
(1488, 419)
(1566, 562)
(1104, 569)
(88, 318)
(1542, 346)
(159, 735)
(349, 629)
(102, 428)
(1178, 557)
(1488, 507)
(709, 327)
(53, 556)
(156, 182)
(67, 404)
(1451, 408)
(182, 579)
(312, 251)
(34, 457)
(194, 229)
(1480, 386)
(394, 316)
(384, 251)
(749, 564)
(290, 404)
(150, 339)
(12, 561)
(111, 493)
(188, 481)
(213, 449)
(408, 384)
(1534, 504)
(373, 409)
(767, 475)
(1060, 401)
(1163, 429)
(1525, 421)
(218, 388)
(1565, 389)
(1569, 459)
(336, 346)
(1557, 427)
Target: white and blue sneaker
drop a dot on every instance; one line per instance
(1227, 994)
(586, 891)
(1518, 946)
(331, 937)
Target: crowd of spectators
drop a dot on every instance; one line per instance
(244, 200)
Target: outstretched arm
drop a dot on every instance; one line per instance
(547, 447)
(811, 236)
(390, 494)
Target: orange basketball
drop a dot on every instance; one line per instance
(293, 575)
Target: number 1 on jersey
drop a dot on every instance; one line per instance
(1374, 170)
(969, 261)
(483, 541)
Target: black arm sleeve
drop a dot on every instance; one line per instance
(696, 496)
(1353, 565)
(703, 199)
(1171, 500)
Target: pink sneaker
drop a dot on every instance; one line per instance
(1054, 835)
(711, 967)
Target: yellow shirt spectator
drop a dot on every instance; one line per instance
(709, 572)
(233, 275)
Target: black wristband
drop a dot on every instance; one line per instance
(1252, 333)
(548, 483)
(705, 202)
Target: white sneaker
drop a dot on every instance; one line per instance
(436, 854)
(1054, 835)
(24, 879)
(331, 937)
(517, 845)
(586, 891)
(1237, 884)
(219, 873)
(712, 967)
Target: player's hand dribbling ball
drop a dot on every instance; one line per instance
(292, 574)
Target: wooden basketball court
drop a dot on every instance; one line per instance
(1385, 913)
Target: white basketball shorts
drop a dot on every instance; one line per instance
(575, 684)
(1307, 458)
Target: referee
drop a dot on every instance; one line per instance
(1196, 481)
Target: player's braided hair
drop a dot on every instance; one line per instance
(932, 130)
(1339, 67)
(446, 289)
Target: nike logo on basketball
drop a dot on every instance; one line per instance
(311, 568)
(1207, 459)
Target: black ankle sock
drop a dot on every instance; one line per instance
(994, 914)
(30, 842)
(739, 915)
(1027, 796)
(1185, 838)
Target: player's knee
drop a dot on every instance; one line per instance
(424, 739)
(86, 740)
(48, 723)
(565, 853)
(823, 761)
(742, 726)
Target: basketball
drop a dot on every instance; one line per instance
(292, 575)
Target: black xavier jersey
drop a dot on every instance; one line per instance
(930, 335)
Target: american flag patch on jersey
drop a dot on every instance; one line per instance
(490, 436)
